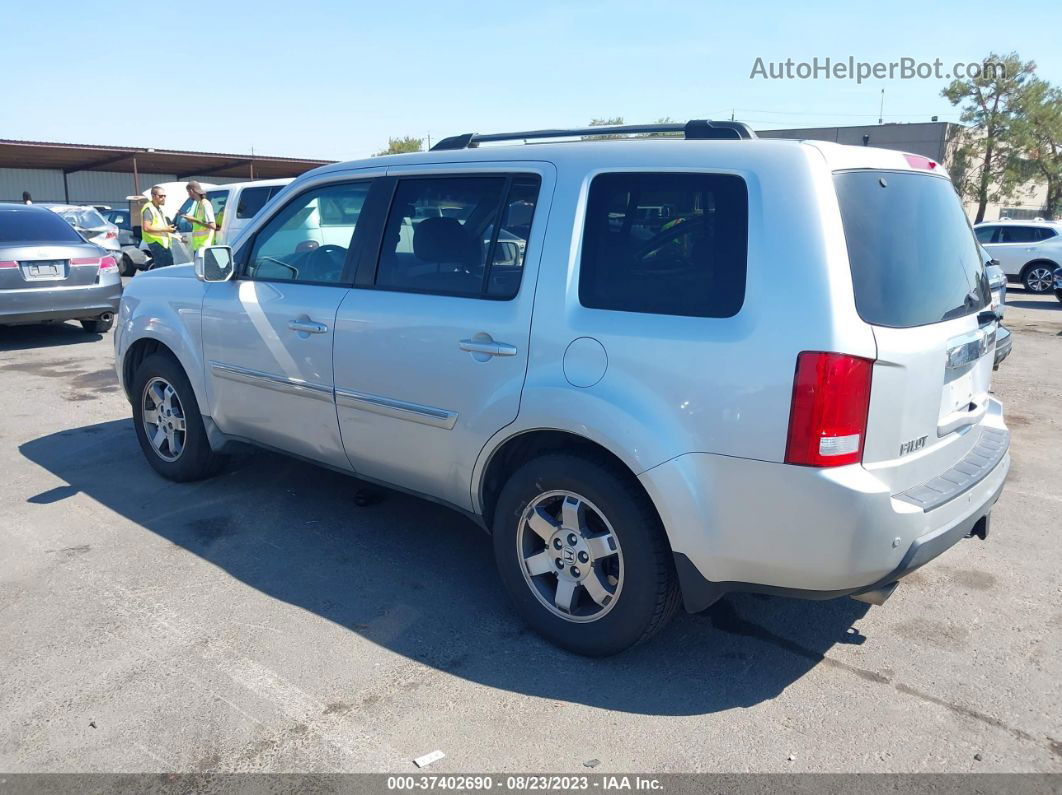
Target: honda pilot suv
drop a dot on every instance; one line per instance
(780, 384)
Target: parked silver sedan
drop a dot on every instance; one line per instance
(49, 272)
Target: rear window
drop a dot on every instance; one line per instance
(913, 255)
(87, 218)
(666, 244)
(28, 226)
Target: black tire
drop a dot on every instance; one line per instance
(97, 326)
(648, 595)
(1034, 280)
(195, 460)
(126, 267)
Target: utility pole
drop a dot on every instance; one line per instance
(881, 108)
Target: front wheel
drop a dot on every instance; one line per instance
(1039, 278)
(168, 424)
(583, 555)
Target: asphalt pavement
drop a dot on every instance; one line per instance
(261, 621)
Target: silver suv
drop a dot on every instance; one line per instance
(779, 384)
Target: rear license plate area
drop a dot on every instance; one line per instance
(44, 270)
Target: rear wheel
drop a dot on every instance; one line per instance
(1038, 277)
(583, 555)
(100, 325)
(168, 424)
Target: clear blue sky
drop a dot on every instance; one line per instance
(335, 79)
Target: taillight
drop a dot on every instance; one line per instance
(110, 235)
(917, 161)
(8, 263)
(103, 263)
(828, 417)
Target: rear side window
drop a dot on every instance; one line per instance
(913, 257)
(668, 244)
(30, 226)
(253, 199)
(1021, 234)
(986, 234)
(460, 236)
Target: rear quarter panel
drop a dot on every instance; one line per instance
(675, 385)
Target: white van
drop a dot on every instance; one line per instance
(234, 205)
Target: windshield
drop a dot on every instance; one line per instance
(23, 226)
(85, 218)
(913, 255)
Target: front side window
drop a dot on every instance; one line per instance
(307, 241)
(668, 244)
(443, 235)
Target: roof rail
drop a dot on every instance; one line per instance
(700, 129)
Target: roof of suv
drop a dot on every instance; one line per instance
(632, 152)
(1023, 222)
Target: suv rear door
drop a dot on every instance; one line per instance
(920, 283)
(431, 345)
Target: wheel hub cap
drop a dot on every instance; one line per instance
(572, 560)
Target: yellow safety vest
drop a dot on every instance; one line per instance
(218, 220)
(153, 216)
(201, 235)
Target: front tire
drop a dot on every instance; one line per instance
(168, 424)
(583, 555)
(1039, 277)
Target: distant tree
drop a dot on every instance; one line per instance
(1038, 135)
(398, 146)
(985, 166)
(604, 123)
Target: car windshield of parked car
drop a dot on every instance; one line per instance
(19, 226)
(913, 255)
(85, 218)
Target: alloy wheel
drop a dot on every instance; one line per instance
(164, 419)
(571, 557)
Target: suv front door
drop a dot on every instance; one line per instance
(431, 346)
(267, 334)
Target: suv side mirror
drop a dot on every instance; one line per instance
(214, 264)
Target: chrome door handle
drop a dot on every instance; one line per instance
(488, 348)
(307, 326)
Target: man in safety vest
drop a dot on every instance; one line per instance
(155, 230)
(201, 219)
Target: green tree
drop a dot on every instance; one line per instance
(604, 123)
(1038, 134)
(985, 167)
(398, 146)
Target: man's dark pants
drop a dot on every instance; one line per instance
(160, 255)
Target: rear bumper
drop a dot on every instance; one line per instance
(741, 525)
(59, 303)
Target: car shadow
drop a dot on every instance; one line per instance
(419, 579)
(45, 335)
(1051, 306)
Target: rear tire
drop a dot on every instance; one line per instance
(618, 592)
(1038, 277)
(168, 424)
(97, 326)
